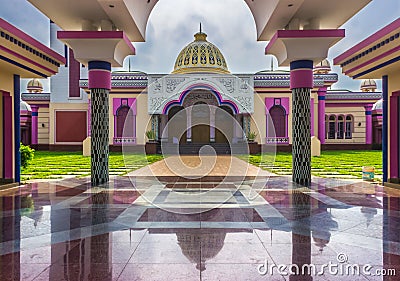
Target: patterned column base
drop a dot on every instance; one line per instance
(99, 139)
(301, 136)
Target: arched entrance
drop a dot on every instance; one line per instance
(204, 120)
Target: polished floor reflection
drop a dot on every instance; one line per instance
(169, 228)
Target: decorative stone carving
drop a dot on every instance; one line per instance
(172, 83)
(217, 88)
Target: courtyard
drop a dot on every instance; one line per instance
(231, 222)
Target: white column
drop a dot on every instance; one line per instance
(212, 124)
(164, 128)
(238, 132)
(189, 125)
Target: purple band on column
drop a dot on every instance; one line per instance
(301, 74)
(99, 75)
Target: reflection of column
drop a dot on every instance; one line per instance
(321, 114)
(212, 123)
(99, 84)
(301, 83)
(189, 124)
(301, 235)
(164, 128)
(17, 128)
(368, 124)
(34, 131)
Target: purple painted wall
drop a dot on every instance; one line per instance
(321, 114)
(394, 135)
(368, 124)
(34, 128)
(7, 136)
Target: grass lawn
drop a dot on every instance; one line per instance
(330, 164)
(50, 164)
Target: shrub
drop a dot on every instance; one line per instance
(27, 154)
(151, 135)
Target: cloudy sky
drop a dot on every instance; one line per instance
(228, 23)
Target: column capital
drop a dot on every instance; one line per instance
(294, 45)
(108, 46)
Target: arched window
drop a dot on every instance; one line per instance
(349, 127)
(125, 123)
(278, 118)
(332, 127)
(340, 129)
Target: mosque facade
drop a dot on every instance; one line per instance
(142, 105)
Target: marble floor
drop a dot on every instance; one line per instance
(162, 223)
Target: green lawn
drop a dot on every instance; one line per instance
(49, 164)
(329, 164)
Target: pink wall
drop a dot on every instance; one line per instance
(7, 136)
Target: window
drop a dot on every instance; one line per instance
(349, 127)
(332, 127)
(340, 129)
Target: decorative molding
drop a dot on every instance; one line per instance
(164, 91)
(35, 97)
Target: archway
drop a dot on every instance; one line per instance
(125, 123)
(278, 120)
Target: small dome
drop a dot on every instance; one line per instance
(24, 106)
(378, 105)
(368, 85)
(324, 67)
(34, 86)
(200, 56)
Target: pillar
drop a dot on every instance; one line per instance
(301, 82)
(321, 114)
(17, 128)
(34, 128)
(154, 125)
(164, 128)
(238, 132)
(385, 98)
(368, 124)
(99, 85)
(89, 118)
(189, 125)
(212, 123)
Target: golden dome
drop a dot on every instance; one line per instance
(200, 56)
(34, 86)
(324, 67)
(368, 85)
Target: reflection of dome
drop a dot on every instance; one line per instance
(201, 245)
(200, 56)
(378, 105)
(368, 85)
(24, 106)
(324, 67)
(34, 86)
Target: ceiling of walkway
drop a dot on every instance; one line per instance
(132, 15)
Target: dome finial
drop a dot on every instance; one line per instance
(200, 27)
